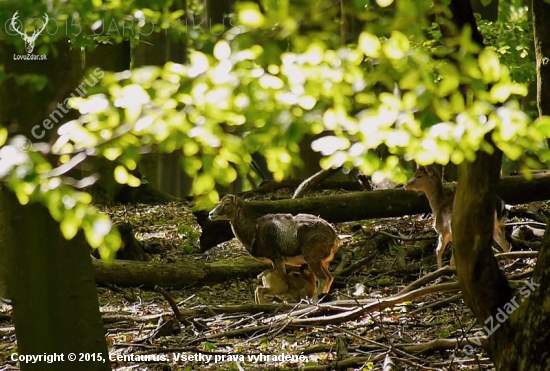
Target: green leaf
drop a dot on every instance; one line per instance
(121, 175)
(384, 3)
(3, 136)
(449, 80)
(222, 50)
(112, 153)
(69, 226)
(542, 126)
(249, 14)
(209, 346)
(203, 183)
(397, 46)
(369, 44)
(489, 65)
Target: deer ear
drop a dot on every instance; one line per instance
(429, 170)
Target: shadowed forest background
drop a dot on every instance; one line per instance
(123, 123)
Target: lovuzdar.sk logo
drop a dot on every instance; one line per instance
(16, 25)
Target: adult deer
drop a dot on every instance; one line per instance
(283, 238)
(428, 180)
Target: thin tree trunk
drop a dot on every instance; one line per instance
(541, 30)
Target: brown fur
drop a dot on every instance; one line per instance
(283, 238)
(427, 180)
(300, 286)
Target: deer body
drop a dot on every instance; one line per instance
(428, 181)
(282, 238)
(296, 288)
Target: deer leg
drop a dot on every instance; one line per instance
(499, 236)
(439, 251)
(316, 267)
(280, 270)
(259, 294)
(328, 284)
(442, 242)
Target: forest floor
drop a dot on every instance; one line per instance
(377, 314)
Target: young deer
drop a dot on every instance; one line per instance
(300, 286)
(428, 180)
(283, 238)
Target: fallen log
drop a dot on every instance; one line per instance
(176, 275)
(368, 205)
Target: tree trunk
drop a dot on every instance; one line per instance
(515, 325)
(472, 226)
(179, 275)
(49, 280)
(51, 284)
(528, 349)
(520, 318)
(527, 346)
(367, 205)
(541, 29)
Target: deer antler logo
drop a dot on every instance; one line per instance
(29, 40)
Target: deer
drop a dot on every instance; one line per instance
(428, 180)
(300, 286)
(282, 238)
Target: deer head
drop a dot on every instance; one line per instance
(29, 40)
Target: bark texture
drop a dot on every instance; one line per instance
(515, 323)
(51, 284)
(541, 29)
(483, 284)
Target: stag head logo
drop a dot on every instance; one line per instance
(29, 40)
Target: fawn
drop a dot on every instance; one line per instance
(283, 238)
(427, 179)
(300, 286)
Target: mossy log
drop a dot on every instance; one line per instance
(176, 275)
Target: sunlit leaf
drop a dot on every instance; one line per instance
(397, 46)
(489, 65)
(222, 50)
(133, 181)
(112, 153)
(69, 226)
(449, 80)
(542, 125)
(121, 174)
(203, 183)
(271, 82)
(384, 3)
(329, 144)
(3, 136)
(249, 14)
(370, 44)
